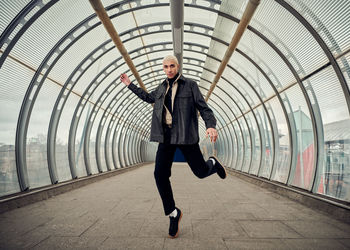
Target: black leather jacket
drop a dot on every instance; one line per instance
(187, 101)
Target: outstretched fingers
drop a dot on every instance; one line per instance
(212, 133)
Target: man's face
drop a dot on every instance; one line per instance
(170, 68)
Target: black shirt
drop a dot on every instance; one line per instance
(167, 100)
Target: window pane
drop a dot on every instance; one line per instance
(334, 173)
(281, 168)
(12, 90)
(302, 172)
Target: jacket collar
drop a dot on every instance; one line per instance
(181, 79)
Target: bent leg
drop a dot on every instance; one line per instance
(162, 173)
(195, 160)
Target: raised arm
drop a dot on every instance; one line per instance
(143, 95)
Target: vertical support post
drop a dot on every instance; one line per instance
(177, 27)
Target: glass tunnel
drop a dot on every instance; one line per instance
(282, 102)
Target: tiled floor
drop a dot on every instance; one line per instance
(125, 212)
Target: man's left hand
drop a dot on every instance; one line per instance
(212, 133)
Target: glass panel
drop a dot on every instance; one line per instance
(113, 141)
(127, 137)
(132, 148)
(250, 72)
(240, 146)
(281, 168)
(108, 138)
(228, 150)
(330, 20)
(334, 179)
(92, 144)
(226, 147)
(223, 30)
(302, 173)
(256, 147)
(271, 134)
(8, 174)
(37, 134)
(13, 84)
(290, 36)
(334, 176)
(63, 16)
(201, 16)
(247, 145)
(209, 64)
(62, 162)
(233, 150)
(79, 141)
(220, 151)
(344, 64)
(277, 70)
(204, 149)
(266, 138)
(10, 11)
(103, 148)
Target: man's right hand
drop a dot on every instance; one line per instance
(125, 79)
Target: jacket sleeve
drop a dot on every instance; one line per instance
(143, 95)
(203, 108)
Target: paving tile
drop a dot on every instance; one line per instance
(22, 223)
(308, 214)
(268, 229)
(341, 224)
(68, 226)
(274, 214)
(136, 243)
(345, 242)
(235, 215)
(217, 228)
(22, 241)
(255, 244)
(159, 227)
(65, 242)
(276, 206)
(317, 229)
(115, 228)
(316, 244)
(132, 205)
(199, 210)
(245, 207)
(193, 244)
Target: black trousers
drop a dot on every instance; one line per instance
(164, 161)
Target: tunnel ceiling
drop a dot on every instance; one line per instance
(283, 97)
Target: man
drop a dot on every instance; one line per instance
(175, 125)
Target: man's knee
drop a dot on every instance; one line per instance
(161, 174)
(156, 174)
(201, 175)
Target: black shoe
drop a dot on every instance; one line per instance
(221, 171)
(174, 224)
